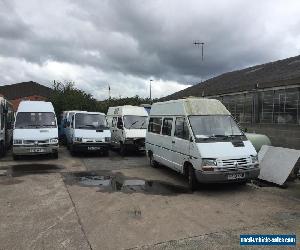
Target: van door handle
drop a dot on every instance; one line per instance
(173, 142)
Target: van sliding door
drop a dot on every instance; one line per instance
(180, 143)
(167, 142)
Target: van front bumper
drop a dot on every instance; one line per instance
(90, 147)
(223, 177)
(34, 150)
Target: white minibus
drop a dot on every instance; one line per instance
(199, 138)
(35, 129)
(128, 127)
(89, 132)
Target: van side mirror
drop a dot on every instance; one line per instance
(191, 139)
(245, 130)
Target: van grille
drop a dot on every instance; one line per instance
(35, 141)
(234, 164)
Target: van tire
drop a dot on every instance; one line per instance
(153, 163)
(16, 157)
(106, 152)
(192, 181)
(122, 149)
(2, 149)
(55, 155)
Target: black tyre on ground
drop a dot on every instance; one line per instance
(193, 183)
(16, 157)
(55, 155)
(153, 163)
(105, 152)
(122, 149)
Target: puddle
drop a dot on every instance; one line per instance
(33, 168)
(108, 182)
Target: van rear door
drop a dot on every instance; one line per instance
(180, 143)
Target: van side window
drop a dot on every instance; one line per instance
(181, 128)
(154, 125)
(72, 121)
(114, 122)
(120, 123)
(167, 126)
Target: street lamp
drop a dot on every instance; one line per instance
(150, 88)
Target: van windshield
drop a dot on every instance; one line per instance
(135, 122)
(90, 121)
(214, 126)
(35, 120)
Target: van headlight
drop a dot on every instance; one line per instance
(209, 164)
(77, 139)
(18, 141)
(53, 140)
(254, 158)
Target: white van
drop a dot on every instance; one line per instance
(128, 127)
(199, 138)
(6, 125)
(35, 129)
(89, 132)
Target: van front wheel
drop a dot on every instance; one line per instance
(192, 178)
(153, 163)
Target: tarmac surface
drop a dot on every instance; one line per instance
(97, 202)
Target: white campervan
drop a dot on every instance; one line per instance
(89, 132)
(199, 138)
(128, 127)
(35, 129)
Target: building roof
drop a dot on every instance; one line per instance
(24, 89)
(274, 74)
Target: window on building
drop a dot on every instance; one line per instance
(167, 126)
(154, 125)
(181, 128)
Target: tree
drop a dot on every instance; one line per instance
(66, 96)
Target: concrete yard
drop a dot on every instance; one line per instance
(79, 203)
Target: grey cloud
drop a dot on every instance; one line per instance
(145, 39)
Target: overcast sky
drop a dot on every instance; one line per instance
(126, 43)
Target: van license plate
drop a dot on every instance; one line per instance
(94, 148)
(236, 176)
(37, 150)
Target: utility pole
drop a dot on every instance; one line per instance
(197, 43)
(150, 88)
(108, 92)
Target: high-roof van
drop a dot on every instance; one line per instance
(35, 129)
(89, 132)
(128, 127)
(6, 125)
(199, 138)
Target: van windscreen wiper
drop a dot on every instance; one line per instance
(132, 124)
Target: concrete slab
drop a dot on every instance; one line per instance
(276, 163)
(37, 213)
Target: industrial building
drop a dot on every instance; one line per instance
(263, 99)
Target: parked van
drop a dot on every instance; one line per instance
(6, 125)
(89, 132)
(128, 127)
(199, 138)
(35, 129)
